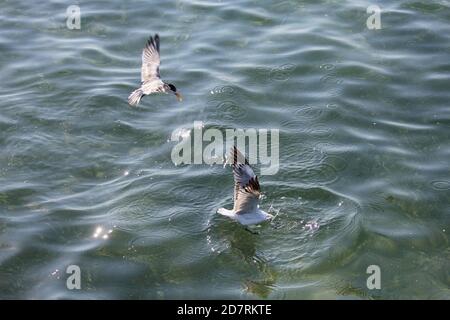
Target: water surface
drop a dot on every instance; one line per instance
(364, 124)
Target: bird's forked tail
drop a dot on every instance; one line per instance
(135, 97)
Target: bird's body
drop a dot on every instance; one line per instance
(246, 193)
(248, 218)
(150, 77)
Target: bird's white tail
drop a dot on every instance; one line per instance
(135, 97)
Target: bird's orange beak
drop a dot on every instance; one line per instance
(179, 96)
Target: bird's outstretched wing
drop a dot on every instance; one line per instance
(246, 185)
(150, 60)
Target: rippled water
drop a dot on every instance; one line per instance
(364, 150)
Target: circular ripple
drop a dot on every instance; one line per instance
(441, 185)
(327, 66)
(308, 112)
(282, 73)
(292, 124)
(331, 79)
(223, 90)
(305, 217)
(324, 174)
(319, 131)
(230, 110)
(326, 147)
(332, 106)
(212, 103)
(335, 92)
(307, 158)
(181, 37)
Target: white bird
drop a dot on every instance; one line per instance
(246, 193)
(150, 78)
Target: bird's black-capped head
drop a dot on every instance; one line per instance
(174, 90)
(172, 87)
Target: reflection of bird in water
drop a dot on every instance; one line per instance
(150, 78)
(262, 288)
(246, 193)
(262, 280)
(258, 278)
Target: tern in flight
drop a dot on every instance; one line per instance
(150, 78)
(246, 193)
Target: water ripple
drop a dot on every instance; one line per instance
(363, 118)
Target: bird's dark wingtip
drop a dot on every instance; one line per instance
(235, 153)
(153, 41)
(150, 41)
(157, 41)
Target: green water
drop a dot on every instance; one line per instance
(364, 122)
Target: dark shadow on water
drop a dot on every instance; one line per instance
(259, 277)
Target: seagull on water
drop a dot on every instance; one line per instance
(246, 193)
(150, 78)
